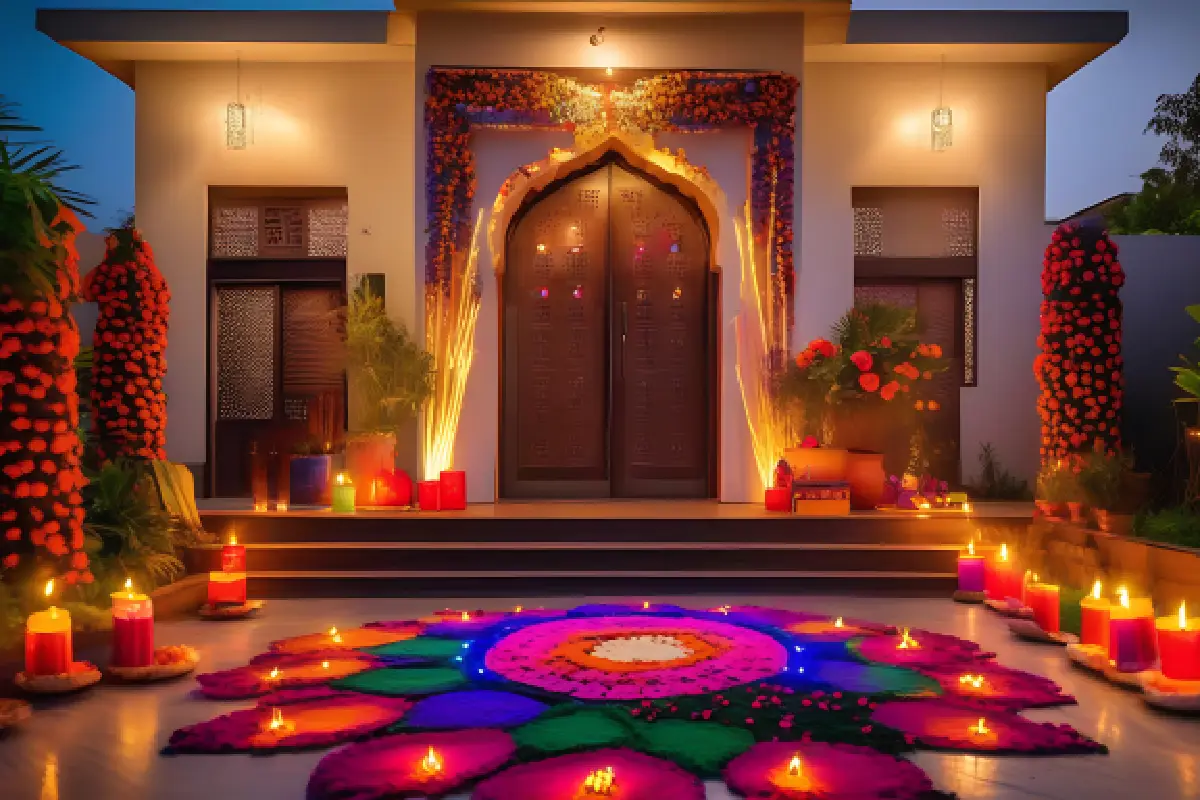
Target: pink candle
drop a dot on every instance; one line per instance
(972, 570)
(133, 628)
(429, 495)
(48, 640)
(453, 490)
(1132, 641)
(1179, 646)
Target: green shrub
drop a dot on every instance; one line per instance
(1178, 526)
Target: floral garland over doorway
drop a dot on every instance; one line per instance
(461, 99)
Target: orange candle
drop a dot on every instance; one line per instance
(1042, 598)
(226, 587)
(1179, 646)
(233, 556)
(48, 640)
(1093, 618)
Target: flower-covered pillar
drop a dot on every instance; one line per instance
(129, 407)
(41, 507)
(1080, 369)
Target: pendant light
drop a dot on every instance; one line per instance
(235, 117)
(942, 118)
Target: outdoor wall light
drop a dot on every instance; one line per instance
(942, 119)
(235, 117)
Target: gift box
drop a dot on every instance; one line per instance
(821, 499)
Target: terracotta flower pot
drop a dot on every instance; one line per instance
(817, 463)
(865, 474)
(366, 456)
(1109, 522)
(1076, 511)
(1047, 509)
(872, 427)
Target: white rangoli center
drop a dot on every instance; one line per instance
(632, 649)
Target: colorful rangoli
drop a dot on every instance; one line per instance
(628, 702)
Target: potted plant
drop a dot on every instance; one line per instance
(858, 390)
(1187, 378)
(390, 377)
(1058, 488)
(311, 463)
(1101, 479)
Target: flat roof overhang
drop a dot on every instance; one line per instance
(1063, 41)
(115, 40)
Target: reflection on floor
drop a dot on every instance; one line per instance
(104, 744)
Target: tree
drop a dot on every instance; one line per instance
(1177, 117)
(1164, 206)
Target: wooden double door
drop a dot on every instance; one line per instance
(608, 340)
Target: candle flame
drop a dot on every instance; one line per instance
(645, 605)
(129, 587)
(975, 681)
(1123, 594)
(837, 623)
(333, 634)
(907, 642)
(1004, 551)
(971, 547)
(795, 766)
(432, 763)
(1036, 579)
(466, 616)
(518, 610)
(49, 587)
(1096, 587)
(275, 675)
(278, 723)
(599, 781)
(980, 728)
(324, 665)
(342, 480)
(233, 538)
(1183, 615)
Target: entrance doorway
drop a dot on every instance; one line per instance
(608, 341)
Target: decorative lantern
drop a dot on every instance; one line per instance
(941, 123)
(236, 133)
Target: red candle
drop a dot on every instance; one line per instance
(226, 587)
(429, 495)
(233, 556)
(453, 490)
(1000, 579)
(48, 640)
(133, 628)
(1132, 643)
(779, 498)
(1042, 598)
(1179, 646)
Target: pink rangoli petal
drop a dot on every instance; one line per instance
(636, 777)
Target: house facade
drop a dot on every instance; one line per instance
(606, 216)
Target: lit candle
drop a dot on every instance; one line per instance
(429, 495)
(343, 494)
(431, 764)
(980, 728)
(838, 623)
(334, 636)
(278, 724)
(1001, 578)
(1132, 645)
(48, 640)
(599, 782)
(1042, 598)
(452, 488)
(907, 642)
(466, 616)
(969, 682)
(1179, 646)
(972, 572)
(233, 555)
(225, 588)
(1093, 619)
(133, 628)
(793, 777)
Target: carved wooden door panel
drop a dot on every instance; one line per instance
(555, 438)
(660, 306)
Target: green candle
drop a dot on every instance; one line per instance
(343, 495)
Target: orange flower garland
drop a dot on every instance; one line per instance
(40, 501)
(1080, 368)
(129, 407)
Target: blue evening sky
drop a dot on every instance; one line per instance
(1095, 145)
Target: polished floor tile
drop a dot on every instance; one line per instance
(103, 745)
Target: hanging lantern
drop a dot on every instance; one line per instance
(235, 117)
(942, 128)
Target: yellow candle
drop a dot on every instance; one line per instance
(48, 640)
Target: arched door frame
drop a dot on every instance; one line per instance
(702, 213)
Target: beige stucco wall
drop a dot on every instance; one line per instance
(868, 125)
(640, 43)
(342, 125)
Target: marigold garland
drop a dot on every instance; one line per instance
(458, 99)
(1080, 368)
(129, 407)
(40, 500)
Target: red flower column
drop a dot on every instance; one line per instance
(40, 501)
(1080, 369)
(129, 407)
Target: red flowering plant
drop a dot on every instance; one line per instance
(873, 358)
